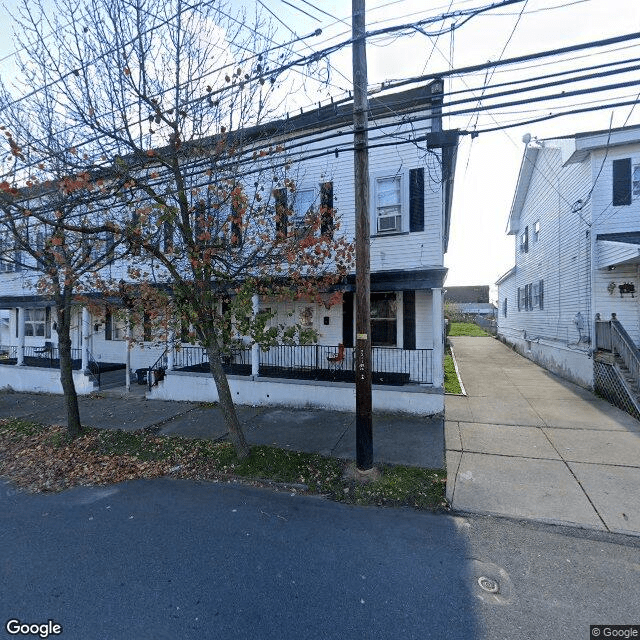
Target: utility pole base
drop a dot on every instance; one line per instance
(362, 476)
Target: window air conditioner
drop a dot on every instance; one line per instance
(389, 223)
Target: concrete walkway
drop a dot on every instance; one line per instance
(524, 443)
(397, 439)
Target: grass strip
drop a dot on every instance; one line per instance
(39, 458)
(467, 329)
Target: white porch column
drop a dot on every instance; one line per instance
(86, 332)
(437, 322)
(20, 320)
(127, 341)
(255, 348)
(170, 353)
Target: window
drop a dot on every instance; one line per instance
(504, 307)
(388, 204)
(10, 258)
(524, 241)
(636, 181)
(398, 202)
(536, 231)
(384, 323)
(530, 297)
(37, 322)
(303, 205)
(115, 327)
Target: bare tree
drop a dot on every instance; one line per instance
(168, 100)
(59, 264)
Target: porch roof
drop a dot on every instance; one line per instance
(401, 280)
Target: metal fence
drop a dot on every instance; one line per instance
(389, 365)
(192, 357)
(35, 356)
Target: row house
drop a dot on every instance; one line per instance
(411, 166)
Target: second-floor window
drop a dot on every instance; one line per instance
(636, 181)
(388, 204)
(524, 241)
(303, 205)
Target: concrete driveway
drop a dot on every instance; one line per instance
(524, 443)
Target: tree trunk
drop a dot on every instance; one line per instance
(63, 307)
(236, 434)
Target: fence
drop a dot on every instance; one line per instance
(34, 356)
(389, 365)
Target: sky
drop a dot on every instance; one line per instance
(488, 165)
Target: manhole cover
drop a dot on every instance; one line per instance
(489, 585)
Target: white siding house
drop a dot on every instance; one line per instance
(411, 183)
(575, 219)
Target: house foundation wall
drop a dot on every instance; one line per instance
(40, 380)
(573, 364)
(200, 387)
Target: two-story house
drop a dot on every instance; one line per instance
(411, 165)
(575, 220)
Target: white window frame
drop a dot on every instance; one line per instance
(536, 231)
(36, 324)
(403, 177)
(298, 216)
(635, 181)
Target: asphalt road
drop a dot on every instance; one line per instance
(179, 560)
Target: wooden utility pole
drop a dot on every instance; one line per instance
(364, 431)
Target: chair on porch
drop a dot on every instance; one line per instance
(46, 350)
(336, 360)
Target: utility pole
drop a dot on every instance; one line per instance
(364, 431)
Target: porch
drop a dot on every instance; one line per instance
(330, 363)
(48, 357)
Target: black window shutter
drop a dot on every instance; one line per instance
(416, 199)
(236, 227)
(409, 319)
(17, 320)
(280, 198)
(622, 182)
(526, 239)
(326, 208)
(107, 326)
(47, 322)
(519, 300)
(347, 319)
(541, 285)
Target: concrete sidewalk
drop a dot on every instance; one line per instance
(397, 439)
(524, 443)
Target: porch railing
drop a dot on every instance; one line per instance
(389, 365)
(195, 356)
(46, 356)
(612, 336)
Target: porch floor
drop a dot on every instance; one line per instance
(324, 375)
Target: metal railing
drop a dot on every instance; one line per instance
(195, 356)
(389, 364)
(155, 372)
(37, 356)
(93, 367)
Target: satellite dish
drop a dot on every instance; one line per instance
(526, 138)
